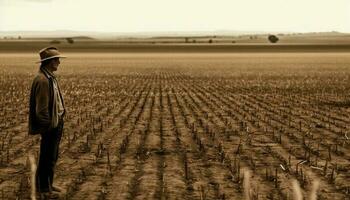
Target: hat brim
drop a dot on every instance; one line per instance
(48, 58)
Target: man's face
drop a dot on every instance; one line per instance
(54, 64)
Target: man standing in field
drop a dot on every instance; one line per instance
(46, 112)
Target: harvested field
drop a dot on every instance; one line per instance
(186, 125)
(150, 46)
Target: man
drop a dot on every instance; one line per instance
(46, 112)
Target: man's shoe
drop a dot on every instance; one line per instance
(49, 195)
(56, 189)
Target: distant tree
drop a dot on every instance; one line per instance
(233, 41)
(55, 42)
(210, 41)
(194, 41)
(273, 38)
(70, 40)
(19, 37)
(186, 40)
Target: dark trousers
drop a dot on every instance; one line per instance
(49, 147)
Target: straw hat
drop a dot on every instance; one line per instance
(49, 53)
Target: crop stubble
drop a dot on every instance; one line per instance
(186, 126)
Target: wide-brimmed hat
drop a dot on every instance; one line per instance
(49, 53)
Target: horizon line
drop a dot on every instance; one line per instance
(176, 31)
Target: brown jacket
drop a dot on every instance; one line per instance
(43, 114)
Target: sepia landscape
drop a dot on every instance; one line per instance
(166, 118)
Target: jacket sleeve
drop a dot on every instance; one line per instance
(42, 92)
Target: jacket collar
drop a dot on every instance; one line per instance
(47, 73)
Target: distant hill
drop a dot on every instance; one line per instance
(111, 35)
(244, 36)
(48, 35)
(77, 38)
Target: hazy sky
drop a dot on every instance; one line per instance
(175, 15)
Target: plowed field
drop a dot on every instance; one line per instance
(186, 126)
